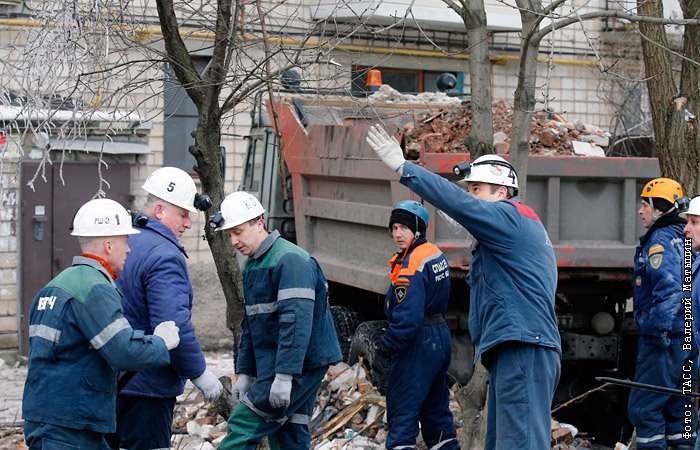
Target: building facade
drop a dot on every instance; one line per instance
(141, 118)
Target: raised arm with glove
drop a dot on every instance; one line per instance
(386, 147)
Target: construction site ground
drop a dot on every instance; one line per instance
(349, 413)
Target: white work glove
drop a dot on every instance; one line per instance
(281, 390)
(169, 332)
(209, 385)
(386, 147)
(241, 387)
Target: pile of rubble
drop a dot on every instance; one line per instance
(349, 415)
(447, 131)
(387, 94)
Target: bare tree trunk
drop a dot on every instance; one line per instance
(472, 400)
(524, 101)
(480, 142)
(204, 90)
(674, 106)
(659, 70)
(207, 153)
(689, 161)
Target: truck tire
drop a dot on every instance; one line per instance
(346, 321)
(365, 343)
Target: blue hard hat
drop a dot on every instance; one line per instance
(414, 208)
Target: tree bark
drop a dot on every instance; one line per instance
(205, 90)
(674, 105)
(472, 400)
(524, 101)
(480, 142)
(689, 164)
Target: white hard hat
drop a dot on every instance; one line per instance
(693, 208)
(238, 208)
(492, 169)
(172, 185)
(102, 217)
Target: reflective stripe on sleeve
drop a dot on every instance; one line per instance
(109, 332)
(656, 437)
(261, 308)
(286, 294)
(44, 332)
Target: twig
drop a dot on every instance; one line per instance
(580, 397)
(434, 116)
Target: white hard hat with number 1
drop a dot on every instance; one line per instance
(102, 217)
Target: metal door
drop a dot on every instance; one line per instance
(46, 213)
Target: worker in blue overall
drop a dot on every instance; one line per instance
(512, 279)
(288, 338)
(157, 287)
(662, 353)
(692, 232)
(417, 338)
(79, 340)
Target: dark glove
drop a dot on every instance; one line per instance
(382, 355)
(381, 366)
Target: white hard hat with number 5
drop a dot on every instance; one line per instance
(172, 185)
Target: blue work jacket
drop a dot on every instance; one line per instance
(287, 326)
(513, 270)
(156, 286)
(658, 278)
(420, 289)
(78, 342)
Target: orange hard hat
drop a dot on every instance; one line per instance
(665, 188)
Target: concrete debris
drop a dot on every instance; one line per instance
(587, 149)
(564, 437)
(349, 414)
(387, 94)
(448, 131)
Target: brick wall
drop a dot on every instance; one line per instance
(9, 295)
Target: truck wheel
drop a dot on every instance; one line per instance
(365, 343)
(346, 321)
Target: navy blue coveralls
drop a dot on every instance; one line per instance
(663, 355)
(78, 342)
(419, 339)
(513, 278)
(287, 329)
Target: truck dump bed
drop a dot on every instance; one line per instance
(343, 196)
